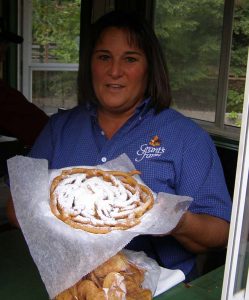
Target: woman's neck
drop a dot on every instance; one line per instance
(110, 122)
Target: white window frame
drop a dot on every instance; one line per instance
(219, 127)
(28, 65)
(241, 183)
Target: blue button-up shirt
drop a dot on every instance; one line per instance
(172, 152)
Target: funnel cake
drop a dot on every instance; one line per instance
(99, 201)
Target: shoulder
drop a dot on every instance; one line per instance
(180, 134)
(68, 116)
(173, 117)
(184, 128)
(5, 88)
(10, 95)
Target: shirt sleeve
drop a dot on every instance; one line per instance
(202, 178)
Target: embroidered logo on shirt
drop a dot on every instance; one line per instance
(155, 141)
(151, 150)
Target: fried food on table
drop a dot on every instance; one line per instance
(116, 263)
(116, 279)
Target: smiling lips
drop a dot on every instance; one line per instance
(114, 86)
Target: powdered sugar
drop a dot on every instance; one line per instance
(95, 200)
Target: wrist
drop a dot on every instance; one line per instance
(180, 225)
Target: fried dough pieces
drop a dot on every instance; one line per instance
(116, 279)
(99, 201)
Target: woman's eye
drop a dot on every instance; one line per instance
(103, 57)
(130, 59)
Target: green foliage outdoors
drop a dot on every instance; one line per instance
(56, 31)
(190, 32)
(238, 58)
(191, 48)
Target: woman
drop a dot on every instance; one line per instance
(125, 97)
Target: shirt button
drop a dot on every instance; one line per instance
(102, 132)
(140, 118)
(103, 159)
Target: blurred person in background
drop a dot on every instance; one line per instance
(19, 118)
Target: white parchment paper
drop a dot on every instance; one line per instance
(64, 254)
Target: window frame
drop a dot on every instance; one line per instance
(219, 128)
(239, 200)
(28, 65)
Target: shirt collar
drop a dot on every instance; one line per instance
(144, 106)
(92, 109)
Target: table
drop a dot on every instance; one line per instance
(20, 279)
(206, 287)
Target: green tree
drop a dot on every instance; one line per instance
(238, 57)
(190, 32)
(56, 30)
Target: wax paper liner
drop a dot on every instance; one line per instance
(64, 254)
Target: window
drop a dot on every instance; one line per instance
(236, 279)
(51, 50)
(205, 47)
(196, 40)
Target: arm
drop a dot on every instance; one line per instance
(10, 211)
(41, 149)
(206, 224)
(200, 232)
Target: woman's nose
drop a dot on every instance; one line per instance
(116, 69)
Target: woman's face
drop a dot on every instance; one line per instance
(119, 72)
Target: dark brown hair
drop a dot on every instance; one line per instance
(142, 35)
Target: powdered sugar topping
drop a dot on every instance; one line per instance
(96, 200)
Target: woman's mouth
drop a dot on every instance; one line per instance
(114, 86)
